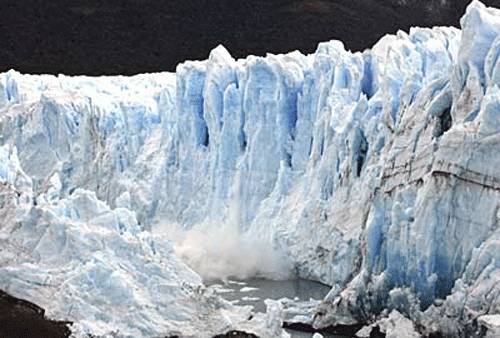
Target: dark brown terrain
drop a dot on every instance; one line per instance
(97, 37)
(22, 319)
(236, 334)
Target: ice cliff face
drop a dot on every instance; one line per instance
(377, 173)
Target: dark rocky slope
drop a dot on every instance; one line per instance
(22, 319)
(133, 36)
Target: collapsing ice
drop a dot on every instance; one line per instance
(376, 173)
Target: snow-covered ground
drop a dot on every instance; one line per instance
(377, 173)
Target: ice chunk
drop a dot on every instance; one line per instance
(491, 323)
(394, 326)
(480, 27)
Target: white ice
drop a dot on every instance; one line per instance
(377, 173)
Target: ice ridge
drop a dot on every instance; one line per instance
(376, 173)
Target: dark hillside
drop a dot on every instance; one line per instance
(22, 319)
(96, 37)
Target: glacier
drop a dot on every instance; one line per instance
(377, 173)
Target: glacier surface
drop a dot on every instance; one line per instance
(377, 173)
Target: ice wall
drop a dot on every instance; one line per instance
(373, 172)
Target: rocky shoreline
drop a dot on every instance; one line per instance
(22, 319)
(236, 334)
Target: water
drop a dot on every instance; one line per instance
(254, 291)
